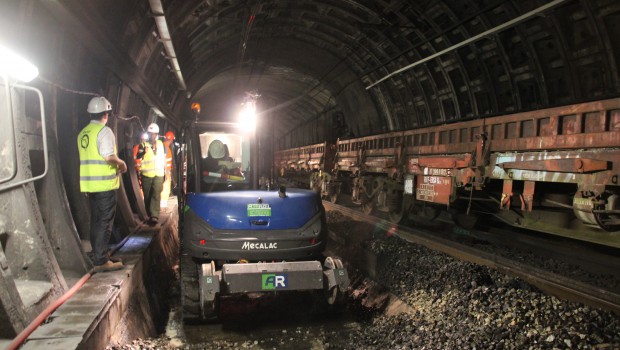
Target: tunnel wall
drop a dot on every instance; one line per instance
(43, 224)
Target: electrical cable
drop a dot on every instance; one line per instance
(89, 94)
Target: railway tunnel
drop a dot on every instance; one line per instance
(326, 72)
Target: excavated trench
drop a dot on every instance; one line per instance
(296, 320)
(422, 299)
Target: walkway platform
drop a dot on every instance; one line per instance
(121, 304)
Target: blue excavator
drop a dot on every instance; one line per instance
(241, 234)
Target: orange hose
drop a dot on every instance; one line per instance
(21, 337)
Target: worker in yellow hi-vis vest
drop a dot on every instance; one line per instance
(99, 178)
(153, 162)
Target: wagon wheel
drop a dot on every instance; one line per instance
(357, 194)
(606, 215)
(603, 220)
(426, 212)
(209, 308)
(368, 204)
(466, 221)
(400, 215)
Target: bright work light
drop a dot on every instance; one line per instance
(247, 116)
(16, 67)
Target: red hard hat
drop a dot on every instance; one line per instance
(170, 135)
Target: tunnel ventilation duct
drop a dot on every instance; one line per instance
(499, 28)
(164, 34)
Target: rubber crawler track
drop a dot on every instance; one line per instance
(190, 293)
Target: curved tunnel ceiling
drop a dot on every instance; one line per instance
(337, 48)
(311, 60)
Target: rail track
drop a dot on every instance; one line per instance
(552, 283)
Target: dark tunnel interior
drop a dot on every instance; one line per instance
(322, 71)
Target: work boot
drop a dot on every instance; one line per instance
(108, 266)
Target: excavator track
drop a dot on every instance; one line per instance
(190, 289)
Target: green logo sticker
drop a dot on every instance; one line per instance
(273, 281)
(259, 210)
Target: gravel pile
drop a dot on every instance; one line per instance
(459, 305)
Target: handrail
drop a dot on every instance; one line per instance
(11, 130)
(44, 136)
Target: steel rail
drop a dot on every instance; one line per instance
(551, 283)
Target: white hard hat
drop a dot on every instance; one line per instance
(154, 128)
(217, 149)
(98, 104)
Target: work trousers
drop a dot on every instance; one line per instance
(102, 211)
(151, 188)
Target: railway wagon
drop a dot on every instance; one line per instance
(299, 159)
(309, 166)
(552, 170)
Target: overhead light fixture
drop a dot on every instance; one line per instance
(247, 116)
(14, 66)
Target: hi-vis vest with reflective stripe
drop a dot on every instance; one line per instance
(96, 175)
(154, 165)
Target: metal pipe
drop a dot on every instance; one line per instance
(472, 39)
(164, 34)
